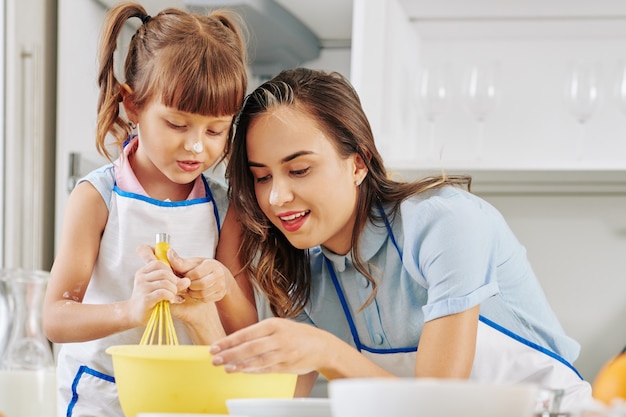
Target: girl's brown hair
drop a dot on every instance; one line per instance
(191, 62)
(280, 270)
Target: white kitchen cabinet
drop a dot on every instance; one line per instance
(530, 140)
(29, 31)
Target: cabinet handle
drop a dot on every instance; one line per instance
(32, 156)
(73, 171)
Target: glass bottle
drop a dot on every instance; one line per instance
(27, 370)
(5, 317)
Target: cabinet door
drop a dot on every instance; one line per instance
(524, 131)
(29, 81)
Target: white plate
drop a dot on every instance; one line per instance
(280, 407)
(181, 415)
(410, 397)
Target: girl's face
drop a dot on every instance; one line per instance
(302, 184)
(175, 147)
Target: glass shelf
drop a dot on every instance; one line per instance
(556, 179)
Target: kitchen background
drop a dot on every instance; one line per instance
(526, 96)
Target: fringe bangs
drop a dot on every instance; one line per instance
(214, 87)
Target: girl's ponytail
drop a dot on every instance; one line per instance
(109, 119)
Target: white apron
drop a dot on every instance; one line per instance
(86, 386)
(501, 356)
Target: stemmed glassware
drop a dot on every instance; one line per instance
(433, 96)
(581, 97)
(620, 90)
(481, 94)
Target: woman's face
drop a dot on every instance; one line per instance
(302, 184)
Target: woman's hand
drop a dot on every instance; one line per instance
(283, 345)
(273, 345)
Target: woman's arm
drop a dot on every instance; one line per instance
(447, 346)
(282, 345)
(446, 349)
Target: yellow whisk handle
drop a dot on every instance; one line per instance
(160, 324)
(160, 250)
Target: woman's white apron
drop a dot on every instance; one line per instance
(501, 356)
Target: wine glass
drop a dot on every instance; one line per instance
(620, 90)
(480, 96)
(581, 96)
(433, 94)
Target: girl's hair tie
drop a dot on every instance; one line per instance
(145, 19)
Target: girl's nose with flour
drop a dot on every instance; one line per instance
(194, 144)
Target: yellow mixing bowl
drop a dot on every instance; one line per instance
(182, 379)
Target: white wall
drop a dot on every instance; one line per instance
(577, 246)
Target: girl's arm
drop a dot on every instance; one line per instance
(65, 318)
(447, 346)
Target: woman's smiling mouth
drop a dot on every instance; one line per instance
(292, 221)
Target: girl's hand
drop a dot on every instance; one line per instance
(189, 284)
(209, 279)
(275, 345)
(154, 282)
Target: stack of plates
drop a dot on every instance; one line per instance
(182, 415)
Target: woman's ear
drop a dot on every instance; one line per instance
(360, 169)
(129, 105)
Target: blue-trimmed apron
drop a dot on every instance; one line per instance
(86, 386)
(501, 355)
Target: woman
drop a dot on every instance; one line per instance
(380, 277)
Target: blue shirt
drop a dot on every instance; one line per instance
(457, 252)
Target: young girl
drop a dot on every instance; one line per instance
(386, 278)
(185, 78)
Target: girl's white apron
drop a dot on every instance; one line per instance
(84, 372)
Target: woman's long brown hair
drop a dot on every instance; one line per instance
(279, 269)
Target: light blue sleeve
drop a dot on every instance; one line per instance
(103, 180)
(450, 246)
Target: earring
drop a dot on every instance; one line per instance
(132, 124)
(358, 182)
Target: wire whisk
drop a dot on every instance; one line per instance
(160, 328)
